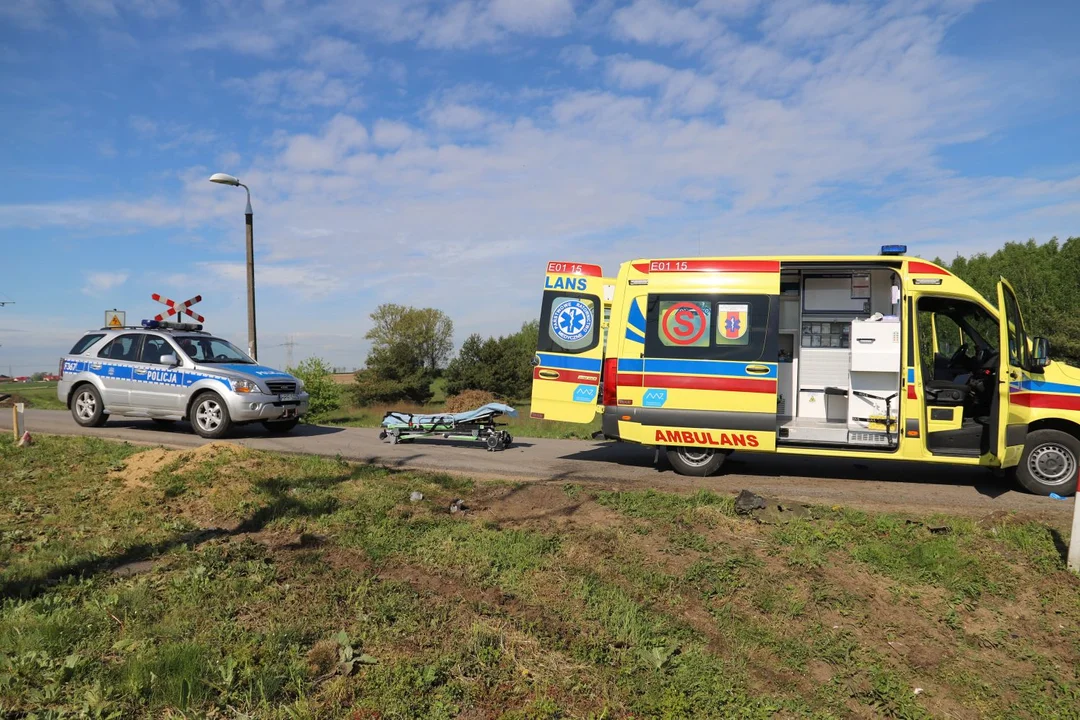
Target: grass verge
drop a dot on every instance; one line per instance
(221, 581)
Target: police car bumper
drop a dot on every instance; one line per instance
(252, 407)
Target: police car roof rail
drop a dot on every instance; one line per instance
(172, 327)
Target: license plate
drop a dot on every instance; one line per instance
(288, 397)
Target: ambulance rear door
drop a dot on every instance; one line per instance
(570, 346)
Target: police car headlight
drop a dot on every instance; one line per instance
(244, 386)
(299, 384)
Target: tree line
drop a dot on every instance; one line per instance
(1047, 282)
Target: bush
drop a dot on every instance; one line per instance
(468, 400)
(319, 384)
(498, 364)
(372, 389)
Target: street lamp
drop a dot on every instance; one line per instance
(223, 179)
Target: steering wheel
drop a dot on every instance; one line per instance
(960, 358)
(221, 357)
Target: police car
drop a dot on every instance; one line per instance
(175, 371)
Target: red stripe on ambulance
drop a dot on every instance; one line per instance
(739, 266)
(569, 268)
(1046, 400)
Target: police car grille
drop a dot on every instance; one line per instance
(277, 388)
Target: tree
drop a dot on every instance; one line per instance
(1047, 282)
(499, 365)
(408, 347)
(325, 393)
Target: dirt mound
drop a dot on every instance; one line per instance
(140, 467)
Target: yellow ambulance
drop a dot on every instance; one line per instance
(853, 356)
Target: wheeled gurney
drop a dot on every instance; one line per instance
(478, 424)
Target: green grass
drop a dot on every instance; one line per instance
(40, 395)
(234, 583)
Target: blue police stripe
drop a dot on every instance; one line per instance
(696, 367)
(636, 319)
(569, 362)
(1040, 386)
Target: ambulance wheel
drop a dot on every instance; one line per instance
(87, 407)
(210, 416)
(1050, 463)
(697, 462)
(281, 426)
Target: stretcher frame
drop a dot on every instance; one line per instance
(484, 430)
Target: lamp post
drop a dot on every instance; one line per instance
(223, 179)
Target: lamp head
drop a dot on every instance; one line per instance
(223, 179)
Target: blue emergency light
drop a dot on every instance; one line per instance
(150, 324)
(893, 249)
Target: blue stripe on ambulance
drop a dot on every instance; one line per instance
(637, 318)
(569, 362)
(631, 335)
(911, 375)
(1047, 387)
(696, 367)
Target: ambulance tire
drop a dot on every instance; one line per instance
(1050, 463)
(696, 462)
(210, 416)
(87, 407)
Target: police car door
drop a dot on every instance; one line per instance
(117, 366)
(157, 385)
(570, 347)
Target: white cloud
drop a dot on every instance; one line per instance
(391, 133)
(455, 116)
(656, 21)
(296, 89)
(579, 56)
(30, 14)
(311, 282)
(341, 135)
(333, 54)
(539, 17)
(98, 283)
(236, 40)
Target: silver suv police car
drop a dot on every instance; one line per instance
(174, 371)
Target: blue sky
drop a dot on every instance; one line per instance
(438, 153)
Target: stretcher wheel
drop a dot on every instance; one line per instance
(493, 442)
(382, 435)
(507, 439)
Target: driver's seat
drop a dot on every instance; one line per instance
(946, 392)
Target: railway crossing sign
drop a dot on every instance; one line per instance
(176, 308)
(115, 318)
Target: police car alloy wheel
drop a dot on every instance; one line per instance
(210, 416)
(87, 408)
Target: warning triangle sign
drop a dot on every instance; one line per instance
(114, 318)
(114, 321)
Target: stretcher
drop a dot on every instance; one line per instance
(478, 424)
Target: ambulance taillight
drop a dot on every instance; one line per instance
(610, 381)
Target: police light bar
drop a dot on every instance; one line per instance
(893, 249)
(158, 324)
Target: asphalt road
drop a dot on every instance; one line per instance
(878, 485)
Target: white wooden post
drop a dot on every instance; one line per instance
(17, 420)
(1074, 539)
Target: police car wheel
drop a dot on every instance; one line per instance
(281, 426)
(210, 416)
(87, 407)
(696, 462)
(1050, 463)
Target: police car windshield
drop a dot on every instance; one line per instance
(202, 349)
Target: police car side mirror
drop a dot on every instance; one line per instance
(169, 360)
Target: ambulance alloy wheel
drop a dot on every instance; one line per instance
(87, 407)
(698, 462)
(1050, 463)
(210, 416)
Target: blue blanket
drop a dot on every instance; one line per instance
(489, 410)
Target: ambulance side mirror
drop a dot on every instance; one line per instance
(169, 360)
(1040, 352)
